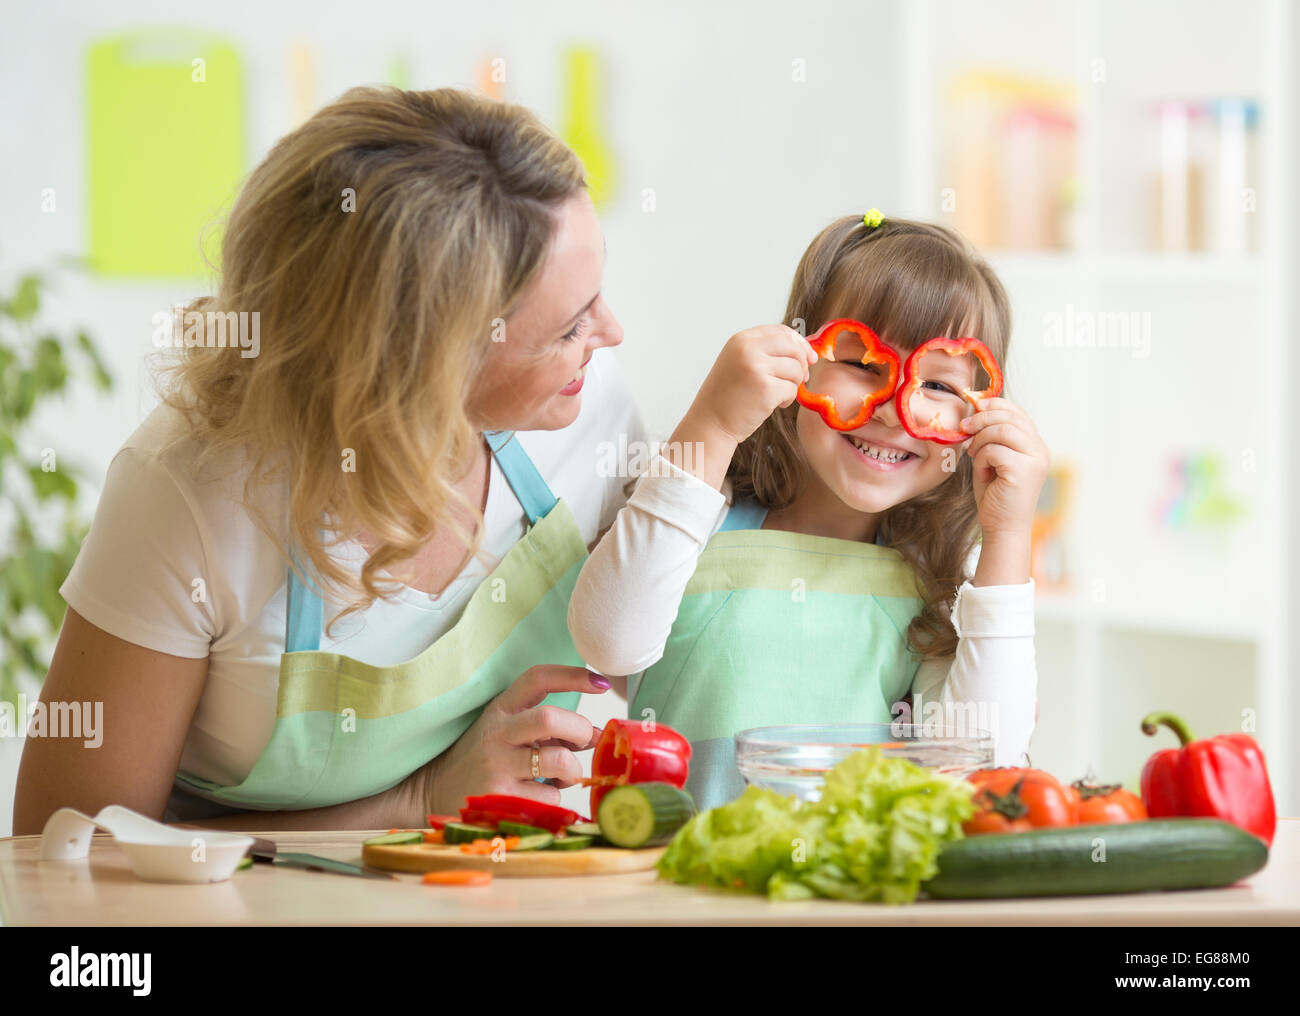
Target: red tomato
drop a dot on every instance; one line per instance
(1009, 799)
(1106, 804)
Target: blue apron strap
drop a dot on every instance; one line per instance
(744, 514)
(524, 479)
(303, 616)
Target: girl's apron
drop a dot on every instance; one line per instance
(777, 628)
(345, 729)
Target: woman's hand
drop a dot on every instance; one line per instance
(1010, 464)
(758, 370)
(494, 756)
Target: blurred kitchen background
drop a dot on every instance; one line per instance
(1126, 164)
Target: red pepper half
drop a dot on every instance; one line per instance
(912, 383)
(632, 752)
(823, 344)
(1220, 777)
(491, 809)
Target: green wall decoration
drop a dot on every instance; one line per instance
(165, 149)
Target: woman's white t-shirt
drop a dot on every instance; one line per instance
(174, 563)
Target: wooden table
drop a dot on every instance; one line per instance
(101, 890)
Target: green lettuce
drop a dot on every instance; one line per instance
(875, 835)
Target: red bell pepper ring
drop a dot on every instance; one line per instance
(1221, 777)
(491, 809)
(823, 344)
(912, 382)
(632, 752)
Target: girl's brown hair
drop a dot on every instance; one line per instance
(910, 282)
(378, 242)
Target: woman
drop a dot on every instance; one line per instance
(425, 268)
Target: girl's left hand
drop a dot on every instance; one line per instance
(1010, 464)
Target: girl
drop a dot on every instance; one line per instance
(769, 569)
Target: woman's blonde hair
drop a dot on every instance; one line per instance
(910, 282)
(378, 242)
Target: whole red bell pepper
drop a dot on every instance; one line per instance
(823, 344)
(912, 381)
(1221, 777)
(630, 751)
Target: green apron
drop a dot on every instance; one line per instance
(779, 628)
(345, 729)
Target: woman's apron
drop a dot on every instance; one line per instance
(779, 628)
(345, 730)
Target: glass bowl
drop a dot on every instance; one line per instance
(796, 759)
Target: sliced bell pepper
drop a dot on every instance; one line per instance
(912, 381)
(823, 344)
(1221, 777)
(628, 752)
(440, 821)
(490, 809)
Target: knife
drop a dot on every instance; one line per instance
(268, 853)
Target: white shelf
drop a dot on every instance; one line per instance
(1192, 615)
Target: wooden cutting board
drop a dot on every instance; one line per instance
(518, 864)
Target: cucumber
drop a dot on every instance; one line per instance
(519, 829)
(572, 842)
(395, 838)
(459, 832)
(539, 841)
(644, 814)
(1174, 853)
(584, 829)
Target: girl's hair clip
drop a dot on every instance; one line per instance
(873, 218)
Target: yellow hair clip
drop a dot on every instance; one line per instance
(873, 218)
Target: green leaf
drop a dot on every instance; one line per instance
(54, 483)
(27, 299)
(49, 367)
(103, 377)
(23, 397)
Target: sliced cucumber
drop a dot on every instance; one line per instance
(519, 829)
(572, 842)
(644, 814)
(395, 838)
(459, 832)
(540, 841)
(584, 829)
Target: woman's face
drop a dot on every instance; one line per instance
(534, 373)
(856, 466)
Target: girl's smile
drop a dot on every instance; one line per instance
(877, 454)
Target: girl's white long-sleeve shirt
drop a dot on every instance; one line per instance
(631, 588)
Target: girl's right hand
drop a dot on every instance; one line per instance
(758, 370)
(494, 756)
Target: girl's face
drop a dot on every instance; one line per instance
(878, 465)
(534, 374)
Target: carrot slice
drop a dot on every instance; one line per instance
(454, 877)
(435, 836)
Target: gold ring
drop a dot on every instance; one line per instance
(537, 769)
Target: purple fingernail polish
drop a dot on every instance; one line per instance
(599, 682)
